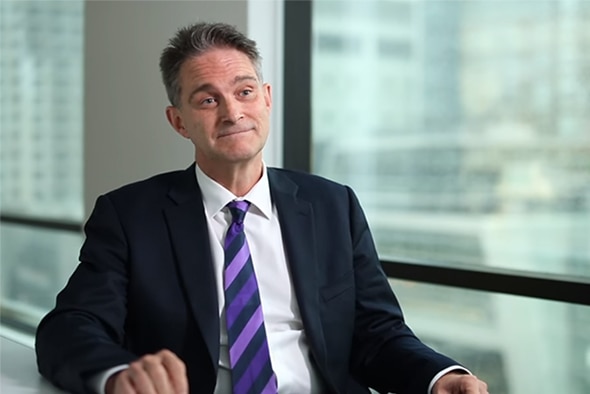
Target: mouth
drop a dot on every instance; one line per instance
(231, 132)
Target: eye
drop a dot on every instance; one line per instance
(208, 100)
(248, 94)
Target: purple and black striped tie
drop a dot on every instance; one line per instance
(249, 357)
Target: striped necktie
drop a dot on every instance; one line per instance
(249, 356)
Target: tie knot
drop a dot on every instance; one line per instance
(238, 210)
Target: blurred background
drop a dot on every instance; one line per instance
(463, 126)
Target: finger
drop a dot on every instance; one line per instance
(154, 367)
(176, 371)
(123, 384)
(483, 387)
(140, 379)
(470, 385)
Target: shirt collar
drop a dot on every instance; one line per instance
(216, 197)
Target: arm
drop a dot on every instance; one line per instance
(84, 334)
(98, 316)
(386, 355)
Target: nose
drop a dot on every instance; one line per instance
(232, 110)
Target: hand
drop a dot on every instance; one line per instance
(459, 383)
(160, 373)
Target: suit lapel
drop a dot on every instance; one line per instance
(190, 242)
(298, 230)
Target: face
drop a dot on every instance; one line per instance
(224, 109)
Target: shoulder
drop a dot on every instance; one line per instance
(305, 180)
(142, 199)
(310, 187)
(161, 181)
(153, 190)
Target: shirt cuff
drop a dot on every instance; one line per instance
(98, 382)
(444, 372)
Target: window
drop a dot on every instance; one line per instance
(504, 338)
(41, 123)
(463, 128)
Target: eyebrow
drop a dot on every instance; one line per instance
(207, 86)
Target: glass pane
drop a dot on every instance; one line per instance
(36, 264)
(41, 108)
(463, 126)
(516, 344)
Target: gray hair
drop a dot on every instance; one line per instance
(196, 39)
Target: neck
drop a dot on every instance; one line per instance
(238, 178)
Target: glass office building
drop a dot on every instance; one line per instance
(41, 131)
(464, 127)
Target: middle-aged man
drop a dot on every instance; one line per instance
(231, 277)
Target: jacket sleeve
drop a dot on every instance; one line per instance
(84, 333)
(386, 355)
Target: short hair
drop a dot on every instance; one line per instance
(196, 39)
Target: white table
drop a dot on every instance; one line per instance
(18, 370)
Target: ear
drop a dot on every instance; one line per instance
(175, 119)
(267, 95)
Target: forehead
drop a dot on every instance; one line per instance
(216, 66)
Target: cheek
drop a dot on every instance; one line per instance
(200, 128)
(263, 115)
(265, 120)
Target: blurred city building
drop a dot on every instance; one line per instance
(464, 127)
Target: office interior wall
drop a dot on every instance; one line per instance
(127, 136)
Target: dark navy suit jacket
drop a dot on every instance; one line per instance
(146, 282)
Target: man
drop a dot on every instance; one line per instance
(157, 303)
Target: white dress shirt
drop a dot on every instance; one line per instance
(288, 345)
(289, 349)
